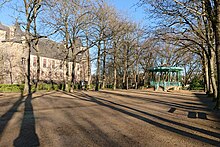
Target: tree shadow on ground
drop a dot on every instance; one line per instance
(195, 109)
(96, 134)
(206, 103)
(209, 103)
(28, 119)
(133, 113)
(160, 93)
(5, 118)
(27, 135)
(163, 102)
(203, 103)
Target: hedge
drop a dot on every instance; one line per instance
(41, 86)
(11, 87)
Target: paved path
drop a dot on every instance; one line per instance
(108, 118)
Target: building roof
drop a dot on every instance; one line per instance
(3, 27)
(47, 48)
(165, 69)
(6, 29)
(50, 49)
(18, 33)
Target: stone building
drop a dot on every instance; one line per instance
(52, 55)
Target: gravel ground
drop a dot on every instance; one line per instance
(108, 118)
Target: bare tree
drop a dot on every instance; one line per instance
(69, 19)
(31, 10)
(200, 20)
(103, 16)
(3, 2)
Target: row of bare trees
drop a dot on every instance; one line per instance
(186, 35)
(193, 26)
(68, 20)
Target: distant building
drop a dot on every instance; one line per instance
(52, 55)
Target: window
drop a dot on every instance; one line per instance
(49, 63)
(42, 73)
(35, 62)
(50, 74)
(61, 65)
(45, 63)
(53, 64)
(23, 60)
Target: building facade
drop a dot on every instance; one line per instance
(53, 67)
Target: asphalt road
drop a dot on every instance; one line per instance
(108, 118)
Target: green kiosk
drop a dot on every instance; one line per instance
(166, 77)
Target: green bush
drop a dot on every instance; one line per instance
(20, 87)
(11, 87)
(91, 87)
(56, 87)
(109, 86)
(196, 84)
(76, 86)
(48, 87)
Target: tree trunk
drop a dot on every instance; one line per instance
(89, 69)
(104, 70)
(73, 70)
(115, 77)
(127, 84)
(67, 56)
(88, 62)
(125, 69)
(207, 54)
(136, 76)
(217, 49)
(38, 67)
(114, 65)
(127, 49)
(10, 73)
(124, 78)
(209, 79)
(212, 74)
(98, 67)
(206, 74)
(67, 76)
(27, 88)
(36, 48)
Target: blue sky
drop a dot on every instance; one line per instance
(126, 7)
(130, 9)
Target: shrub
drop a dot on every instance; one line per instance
(76, 86)
(11, 87)
(56, 87)
(48, 87)
(20, 87)
(109, 86)
(196, 84)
